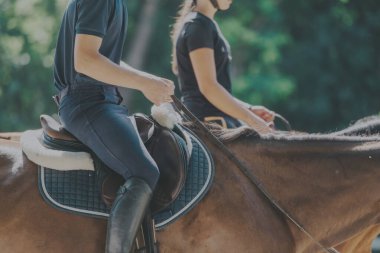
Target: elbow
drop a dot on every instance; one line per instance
(78, 64)
(208, 88)
(83, 62)
(204, 90)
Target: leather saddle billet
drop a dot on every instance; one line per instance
(167, 147)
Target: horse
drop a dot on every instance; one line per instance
(327, 183)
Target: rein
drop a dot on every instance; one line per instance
(187, 115)
(286, 123)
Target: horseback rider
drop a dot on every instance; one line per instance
(201, 59)
(87, 72)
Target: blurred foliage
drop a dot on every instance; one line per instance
(28, 30)
(316, 62)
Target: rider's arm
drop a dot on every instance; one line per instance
(259, 110)
(203, 63)
(89, 61)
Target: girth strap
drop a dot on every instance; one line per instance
(146, 237)
(149, 233)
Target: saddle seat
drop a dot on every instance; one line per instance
(168, 148)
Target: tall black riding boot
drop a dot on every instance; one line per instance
(127, 213)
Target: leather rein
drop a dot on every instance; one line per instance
(187, 115)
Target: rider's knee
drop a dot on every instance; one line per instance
(149, 173)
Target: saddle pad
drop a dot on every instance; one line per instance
(32, 146)
(77, 191)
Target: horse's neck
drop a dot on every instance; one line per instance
(333, 195)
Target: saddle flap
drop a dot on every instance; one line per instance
(171, 155)
(169, 152)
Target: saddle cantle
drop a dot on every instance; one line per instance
(54, 130)
(167, 148)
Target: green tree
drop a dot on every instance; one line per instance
(334, 58)
(28, 31)
(316, 62)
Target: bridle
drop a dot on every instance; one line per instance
(187, 115)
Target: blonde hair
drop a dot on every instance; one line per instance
(186, 8)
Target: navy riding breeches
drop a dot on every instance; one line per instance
(96, 118)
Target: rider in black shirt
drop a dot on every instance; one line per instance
(201, 58)
(87, 72)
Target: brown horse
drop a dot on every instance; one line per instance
(328, 183)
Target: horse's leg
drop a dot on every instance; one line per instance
(28, 224)
(361, 243)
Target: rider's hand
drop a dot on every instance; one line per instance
(260, 125)
(159, 90)
(262, 128)
(263, 113)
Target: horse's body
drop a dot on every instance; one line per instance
(329, 184)
(28, 224)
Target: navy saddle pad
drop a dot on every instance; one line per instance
(77, 191)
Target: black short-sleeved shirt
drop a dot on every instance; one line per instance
(199, 31)
(103, 18)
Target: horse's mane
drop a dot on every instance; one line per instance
(364, 130)
(226, 135)
(367, 126)
(12, 155)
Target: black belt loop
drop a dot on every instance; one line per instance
(119, 95)
(56, 99)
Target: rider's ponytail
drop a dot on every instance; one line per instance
(185, 9)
